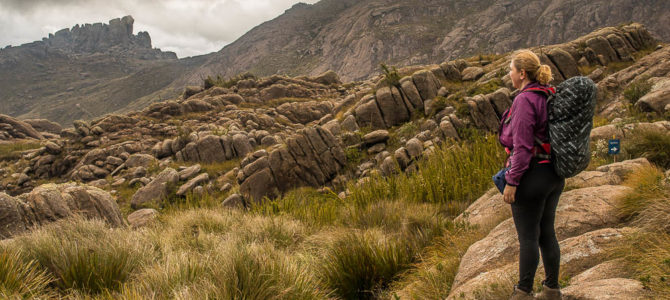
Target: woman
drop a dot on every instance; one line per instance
(533, 188)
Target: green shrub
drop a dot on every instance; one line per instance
(636, 90)
(391, 76)
(21, 279)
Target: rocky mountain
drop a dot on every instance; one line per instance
(353, 37)
(84, 72)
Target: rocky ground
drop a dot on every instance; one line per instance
(250, 138)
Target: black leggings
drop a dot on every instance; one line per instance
(534, 211)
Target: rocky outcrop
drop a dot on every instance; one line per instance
(658, 98)
(305, 112)
(611, 288)
(44, 125)
(311, 157)
(51, 202)
(11, 128)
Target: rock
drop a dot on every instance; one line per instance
(402, 158)
(234, 201)
(44, 125)
(657, 99)
(327, 78)
(191, 184)
(578, 211)
(305, 112)
(426, 84)
(377, 136)
(241, 145)
(269, 141)
(606, 132)
(610, 289)
(50, 202)
(23, 178)
(140, 160)
(333, 126)
(190, 91)
(142, 217)
(622, 50)
(591, 179)
(410, 92)
(487, 211)
(451, 73)
(368, 114)
(414, 148)
(606, 270)
(391, 105)
(389, 166)
(259, 185)
(349, 124)
(601, 46)
(226, 187)
(376, 148)
(472, 73)
(19, 127)
(156, 189)
(622, 169)
(482, 113)
(564, 62)
(114, 161)
(189, 172)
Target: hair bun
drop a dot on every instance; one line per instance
(544, 75)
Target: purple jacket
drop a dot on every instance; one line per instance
(528, 120)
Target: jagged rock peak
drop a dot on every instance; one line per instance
(99, 37)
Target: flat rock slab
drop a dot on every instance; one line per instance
(606, 289)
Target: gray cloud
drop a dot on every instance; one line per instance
(186, 27)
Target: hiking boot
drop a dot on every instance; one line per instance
(548, 293)
(521, 295)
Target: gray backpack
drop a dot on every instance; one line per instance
(570, 116)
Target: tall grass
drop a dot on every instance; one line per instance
(652, 144)
(82, 255)
(12, 151)
(21, 279)
(454, 176)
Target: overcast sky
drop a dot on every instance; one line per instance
(187, 27)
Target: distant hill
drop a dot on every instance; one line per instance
(352, 37)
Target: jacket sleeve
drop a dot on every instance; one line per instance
(522, 126)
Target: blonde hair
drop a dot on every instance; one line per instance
(536, 71)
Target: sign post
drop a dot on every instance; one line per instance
(614, 146)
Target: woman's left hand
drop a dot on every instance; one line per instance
(508, 195)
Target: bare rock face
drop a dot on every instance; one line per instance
(311, 157)
(51, 202)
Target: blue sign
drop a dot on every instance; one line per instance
(614, 146)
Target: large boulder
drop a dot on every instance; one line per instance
(657, 99)
(426, 83)
(601, 46)
(51, 202)
(305, 112)
(368, 114)
(392, 107)
(156, 190)
(564, 62)
(472, 73)
(579, 211)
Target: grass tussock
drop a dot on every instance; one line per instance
(647, 257)
(636, 90)
(72, 253)
(652, 144)
(21, 279)
(648, 186)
